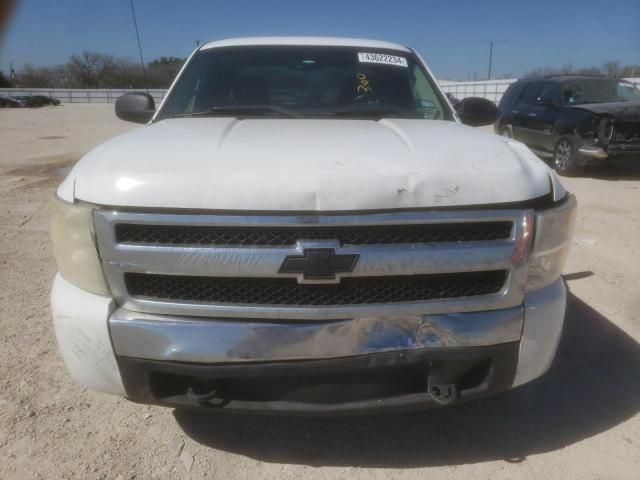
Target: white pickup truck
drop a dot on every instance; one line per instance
(306, 226)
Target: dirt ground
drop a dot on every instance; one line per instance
(579, 421)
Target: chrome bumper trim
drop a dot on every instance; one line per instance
(197, 340)
(593, 152)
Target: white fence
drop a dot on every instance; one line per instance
(489, 89)
(79, 95)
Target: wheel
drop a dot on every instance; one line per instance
(506, 132)
(564, 158)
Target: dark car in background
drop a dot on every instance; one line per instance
(27, 101)
(8, 102)
(575, 120)
(43, 100)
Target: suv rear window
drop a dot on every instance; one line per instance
(349, 82)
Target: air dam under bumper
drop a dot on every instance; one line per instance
(343, 366)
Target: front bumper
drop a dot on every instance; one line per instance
(593, 155)
(343, 366)
(380, 382)
(624, 152)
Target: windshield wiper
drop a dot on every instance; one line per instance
(375, 111)
(236, 110)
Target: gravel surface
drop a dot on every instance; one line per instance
(578, 421)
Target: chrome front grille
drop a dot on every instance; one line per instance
(287, 291)
(282, 236)
(230, 266)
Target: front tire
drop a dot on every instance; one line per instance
(564, 158)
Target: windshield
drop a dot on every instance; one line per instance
(296, 81)
(598, 90)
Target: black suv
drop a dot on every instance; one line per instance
(577, 120)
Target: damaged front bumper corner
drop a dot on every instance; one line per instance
(305, 367)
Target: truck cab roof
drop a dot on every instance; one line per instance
(317, 41)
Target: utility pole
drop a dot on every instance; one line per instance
(490, 59)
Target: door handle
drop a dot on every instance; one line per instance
(532, 114)
(515, 111)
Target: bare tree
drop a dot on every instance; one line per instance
(543, 72)
(60, 77)
(162, 71)
(589, 71)
(98, 70)
(91, 69)
(125, 74)
(34, 77)
(630, 71)
(612, 68)
(4, 81)
(567, 69)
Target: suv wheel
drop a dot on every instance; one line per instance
(564, 158)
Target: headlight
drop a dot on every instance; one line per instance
(554, 230)
(73, 246)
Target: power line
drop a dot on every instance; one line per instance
(135, 24)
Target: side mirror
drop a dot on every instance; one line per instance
(476, 111)
(135, 107)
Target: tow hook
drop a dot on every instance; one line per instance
(438, 389)
(206, 399)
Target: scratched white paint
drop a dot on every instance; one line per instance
(80, 321)
(306, 165)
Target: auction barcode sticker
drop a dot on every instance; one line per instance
(364, 57)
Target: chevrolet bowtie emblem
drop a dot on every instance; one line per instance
(319, 263)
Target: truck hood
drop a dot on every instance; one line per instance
(618, 110)
(306, 165)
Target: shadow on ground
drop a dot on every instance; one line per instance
(617, 170)
(592, 386)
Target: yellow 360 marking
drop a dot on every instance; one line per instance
(363, 85)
